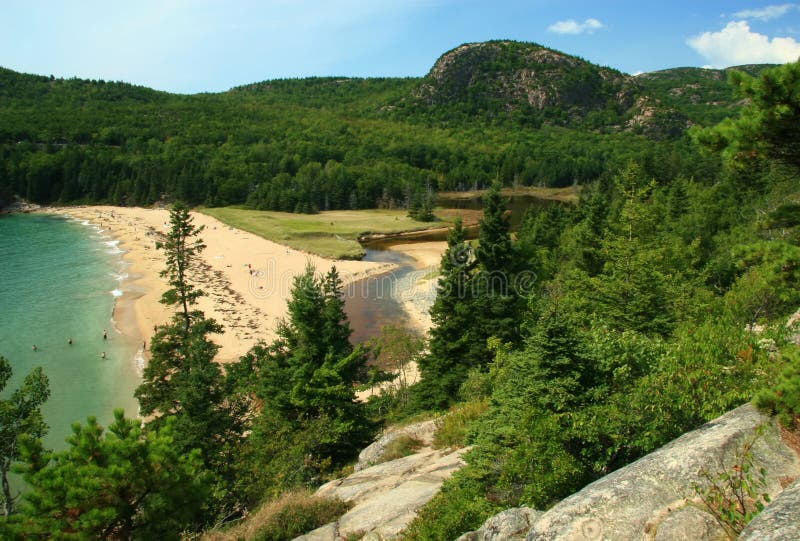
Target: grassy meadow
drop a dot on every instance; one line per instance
(333, 234)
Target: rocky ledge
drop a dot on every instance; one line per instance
(386, 496)
(654, 498)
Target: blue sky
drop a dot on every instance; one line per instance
(212, 45)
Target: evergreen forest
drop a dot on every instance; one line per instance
(588, 337)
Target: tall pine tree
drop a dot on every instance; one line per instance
(305, 379)
(181, 383)
(445, 366)
(496, 303)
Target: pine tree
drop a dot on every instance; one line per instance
(181, 247)
(445, 366)
(631, 290)
(20, 415)
(496, 302)
(494, 240)
(308, 373)
(181, 383)
(122, 483)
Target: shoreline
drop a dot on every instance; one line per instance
(417, 301)
(246, 278)
(123, 317)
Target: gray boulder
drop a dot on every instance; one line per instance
(653, 498)
(511, 524)
(373, 454)
(386, 496)
(779, 521)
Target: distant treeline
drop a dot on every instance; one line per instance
(300, 146)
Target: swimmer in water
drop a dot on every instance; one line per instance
(105, 335)
(69, 341)
(103, 355)
(34, 348)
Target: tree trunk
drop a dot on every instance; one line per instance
(7, 501)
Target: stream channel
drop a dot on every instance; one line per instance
(377, 301)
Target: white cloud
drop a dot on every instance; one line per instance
(766, 13)
(571, 26)
(736, 44)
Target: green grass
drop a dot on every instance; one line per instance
(452, 428)
(333, 234)
(404, 445)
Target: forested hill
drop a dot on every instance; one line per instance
(703, 95)
(519, 112)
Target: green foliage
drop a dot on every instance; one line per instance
(309, 370)
(632, 287)
(20, 416)
(457, 508)
(279, 456)
(635, 332)
(181, 248)
(450, 348)
(420, 205)
(735, 496)
(116, 484)
(703, 95)
(476, 301)
(770, 284)
(392, 351)
(639, 330)
(181, 384)
(451, 429)
(317, 144)
(310, 422)
(783, 399)
(768, 126)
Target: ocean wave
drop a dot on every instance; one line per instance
(116, 292)
(113, 247)
(139, 359)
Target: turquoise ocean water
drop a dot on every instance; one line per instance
(58, 280)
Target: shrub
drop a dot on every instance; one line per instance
(403, 445)
(735, 496)
(783, 399)
(459, 507)
(292, 514)
(452, 428)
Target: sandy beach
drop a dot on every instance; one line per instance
(246, 279)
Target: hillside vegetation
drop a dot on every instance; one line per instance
(517, 112)
(594, 334)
